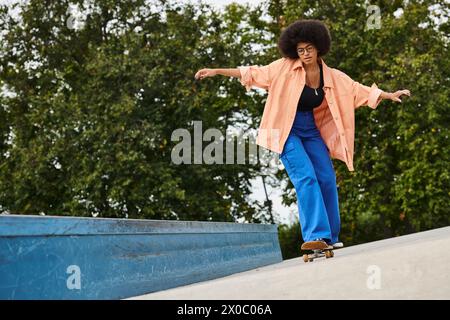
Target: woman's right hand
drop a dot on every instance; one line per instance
(204, 73)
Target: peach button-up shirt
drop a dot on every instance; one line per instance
(284, 80)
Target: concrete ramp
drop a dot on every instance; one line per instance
(415, 266)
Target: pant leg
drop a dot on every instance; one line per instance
(312, 211)
(323, 166)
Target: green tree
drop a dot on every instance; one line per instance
(92, 107)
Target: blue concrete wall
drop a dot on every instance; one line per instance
(44, 257)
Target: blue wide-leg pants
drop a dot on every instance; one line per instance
(308, 164)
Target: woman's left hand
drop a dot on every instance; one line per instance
(395, 96)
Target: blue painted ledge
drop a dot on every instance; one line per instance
(43, 257)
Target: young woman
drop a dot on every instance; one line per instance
(308, 119)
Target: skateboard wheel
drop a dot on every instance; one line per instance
(305, 258)
(328, 254)
(332, 253)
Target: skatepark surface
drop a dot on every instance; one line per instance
(415, 266)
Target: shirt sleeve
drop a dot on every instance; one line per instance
(362, 94)
(259, 76)
(366, 96)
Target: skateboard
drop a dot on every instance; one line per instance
(319, 249)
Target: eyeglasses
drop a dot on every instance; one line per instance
(301, 51)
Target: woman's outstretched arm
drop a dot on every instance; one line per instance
(204, 73)
(370, 96)
(249, 76)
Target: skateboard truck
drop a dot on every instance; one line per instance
(318, 253)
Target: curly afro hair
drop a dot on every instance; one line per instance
(307, 30)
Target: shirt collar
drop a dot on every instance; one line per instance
(327, 81)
